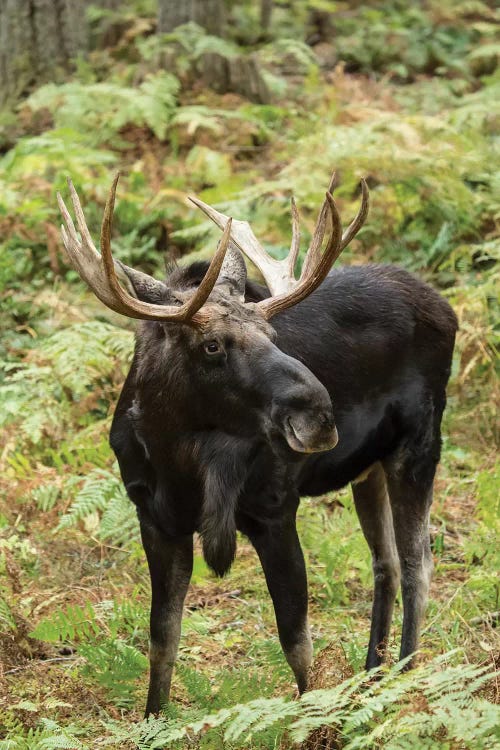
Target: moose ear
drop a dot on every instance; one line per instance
(142, 286)
(234, 271)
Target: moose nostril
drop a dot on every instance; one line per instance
(326, 420)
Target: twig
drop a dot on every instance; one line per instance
(443, 608)
(490, 618)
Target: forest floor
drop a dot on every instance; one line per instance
(74, 585)
(74, 596)
(89, 591)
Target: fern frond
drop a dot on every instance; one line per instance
(119, 522)
(45, 496)
(106, 106)
(6, 617)
(57, 737)
(115, 664)
(72, 623)
(94, 495)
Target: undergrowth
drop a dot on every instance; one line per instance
(403, 94)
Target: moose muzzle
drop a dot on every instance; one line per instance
(302, 410)
(310, 434)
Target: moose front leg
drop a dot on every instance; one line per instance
(277, 545)
(170, 567)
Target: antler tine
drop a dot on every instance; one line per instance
(201, 295)
(314, 251)
(279, 275)
(187, 311)
(83, 255)
(275, 272)
(295, 246)
(360, 217)
(318, 273)
(99, 271)
(124, 302)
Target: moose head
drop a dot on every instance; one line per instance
(229, 374)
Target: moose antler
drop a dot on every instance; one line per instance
(279, 275)
(101, 272)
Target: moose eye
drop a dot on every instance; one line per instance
(211, 347)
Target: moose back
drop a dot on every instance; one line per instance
(242, 398)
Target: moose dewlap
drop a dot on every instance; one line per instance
(241, 398)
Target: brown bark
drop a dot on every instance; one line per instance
(38, 40)
(239, 74)
(266, 9)
(207, 13)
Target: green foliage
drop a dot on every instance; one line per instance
(187, 43)
(71, 364)
(102, 504)
(453, 711)
(114, 665)
(94, 495)
(6, 618)
(45, 496)
(110, 661)
(482, 550)
(399, 39)
(70, 560)
(106, 108)
(317, 528)
(289, 56)
(69, 624)
(199, 117)
(49, 736)
(49, 157)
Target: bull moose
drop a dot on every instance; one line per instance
(226, 419)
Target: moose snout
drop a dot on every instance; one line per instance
(309, 433)
(301, 406)
(305, 416)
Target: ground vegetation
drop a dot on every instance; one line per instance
(404, 94)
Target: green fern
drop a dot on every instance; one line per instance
(95, 494)
(6, 617)
(73, 623)
(102, 494)
(84, 352)
(114, 664)
(45, 496)
(106, 107)
(129, 616)
(119, 523)
(365, 713)
(69, 364)
(48, 736)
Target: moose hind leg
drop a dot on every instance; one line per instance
(374, 512)
(170, 567)
(411, 499)
(278, 547)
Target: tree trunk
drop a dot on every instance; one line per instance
(206, 13)
(38, 40)
(222, 73)
(266, 9)
(239, 74)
